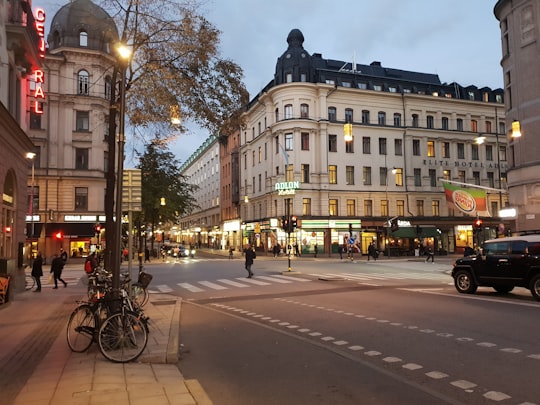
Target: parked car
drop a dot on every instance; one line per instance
(501, 264)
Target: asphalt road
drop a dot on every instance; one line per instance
(356, 341)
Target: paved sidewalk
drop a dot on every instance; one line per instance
(38, 368)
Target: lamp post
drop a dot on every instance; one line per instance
(124, 54)
(32, 156)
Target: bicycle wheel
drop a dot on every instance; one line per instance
(29, 282)
(81, 328)
(139, 295)
(122, 337)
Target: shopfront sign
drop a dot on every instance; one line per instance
(287, 187)
(38, 93)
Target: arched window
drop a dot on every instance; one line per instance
(83, 39)
(288, 112)
(108, 87)
(56, 39)
(83, 83)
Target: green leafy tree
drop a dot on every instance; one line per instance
(175, 71)
(161, 179)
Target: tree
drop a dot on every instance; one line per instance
(175, 67)
(161, 178)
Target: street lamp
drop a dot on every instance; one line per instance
(124, 54)
(32, 156)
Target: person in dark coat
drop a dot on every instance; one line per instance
(250, 255)
(37, 271)
(57, 266)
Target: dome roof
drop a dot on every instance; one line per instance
(294, 65)
(82, 17)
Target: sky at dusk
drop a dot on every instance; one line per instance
(459, 40)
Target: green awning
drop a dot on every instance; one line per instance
(411, 232)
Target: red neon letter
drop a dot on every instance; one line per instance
(38, 76)
(37, 108)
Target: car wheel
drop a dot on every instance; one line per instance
(503, 289)
(464, 282)
(535, 287)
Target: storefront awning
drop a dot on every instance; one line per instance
(412, 232)
(71, 229)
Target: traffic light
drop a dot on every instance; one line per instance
(97, 228)
(477, 224)
(7, 229)
(285, 224)
(294, 223)
(394, 225)
(59, 235)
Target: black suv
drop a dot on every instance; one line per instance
(502, 264)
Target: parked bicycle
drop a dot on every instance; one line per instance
(119, 327)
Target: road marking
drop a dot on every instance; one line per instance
(214, 286)
(164, 288)
(437, 375)
(253, 281)
(233, 283)
(294, 278)
(274, 280)
(190, 287)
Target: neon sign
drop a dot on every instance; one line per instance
(38, 73)
(287, 187)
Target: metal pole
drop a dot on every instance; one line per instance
(117, 254)
(499, 169)
(32, 210)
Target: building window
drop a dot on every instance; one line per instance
(366, 145)
(351, 208)
(304, 111)
(83, 83)
(431, 149)
(420, 208)
(474, 150)
(289, 141)
(108, 88)
(304, 136)
(459, 124)
(366, 175)
(461, 176)
(384, 208)
(461, 151)
(381, 118)
(418, 177)
(368, 208)
(416, 147)
(489, 152)
(332, 115)
(349, 175)
(382, 146)
(476, 177)
(332, 143)
(433, 177)
(383, 176)
(446, 150)
(447, 174)
(253, 158)
(445, 123)
(81, 159)
(491, 179)
(430, 121)
(276, 114)
(289, 173)
(81, 198)
(305, 173)
(488, 127)
(365, 117)
(415, 120)
(435, 210)
(333, 207)
(398, 147)
(83, 39)
(260, 182)
(474, 126)
(502, 153)
(288, 112)
(260, 154)
(399, 176)
(306, 206)
(35, 119)
(400, 206)
(397, 119)
(332, 174)
(349, 146)
(349, 115)
(82, 121)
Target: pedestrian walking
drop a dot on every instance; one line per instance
(57, 266)
(147, 255)
(316, 248)
(63, 255)
(231, 250)
(37, 271)
(430, 255)
(250, 255)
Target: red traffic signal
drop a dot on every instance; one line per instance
(97, 227)
(478, 223)
(59, 235)
(7, 229)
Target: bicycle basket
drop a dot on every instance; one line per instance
(144, 279)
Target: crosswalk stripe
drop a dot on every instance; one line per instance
(190, 287)
(291, 278)
(164, 288)
(253, 281)
(233, 283)
(214, 286)
(275, 280)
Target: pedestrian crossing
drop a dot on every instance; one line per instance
(223, 284)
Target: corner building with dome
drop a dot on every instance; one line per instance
(409, 131)
(71, 131)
